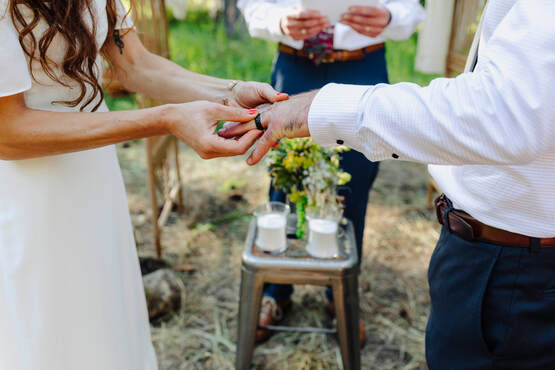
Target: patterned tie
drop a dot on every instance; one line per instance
(319, 47)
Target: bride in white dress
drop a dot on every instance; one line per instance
(71, 294)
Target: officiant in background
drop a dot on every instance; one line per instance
(312, 52)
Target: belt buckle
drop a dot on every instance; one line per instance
(439, 202)
(328, 60)
(459, 226)
(462, 228)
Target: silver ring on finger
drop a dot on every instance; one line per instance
(303, 31)
(367, 29)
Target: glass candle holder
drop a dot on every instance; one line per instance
(323, 226)
(271, 223)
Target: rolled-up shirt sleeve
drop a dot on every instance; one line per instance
(406, 15)
(263, 19)
(503, 113)
(14, 68)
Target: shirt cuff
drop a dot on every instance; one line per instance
(334, 115)
(274, 27)
(398, 29)
(274, 22)
(395, 12)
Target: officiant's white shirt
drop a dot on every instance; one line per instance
(490, 133)
(264, 20)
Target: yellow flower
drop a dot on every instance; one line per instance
(335, 160)
(307, 162)
(290, 162)
(344, 177)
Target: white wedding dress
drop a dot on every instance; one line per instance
(71, 294)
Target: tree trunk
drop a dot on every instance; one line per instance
(231, 14)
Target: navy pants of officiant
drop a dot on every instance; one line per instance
(293, 75)
(492, 307)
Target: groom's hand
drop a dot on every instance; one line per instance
(252, 94)
(285, 119)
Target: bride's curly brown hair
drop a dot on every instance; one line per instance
(65, 18)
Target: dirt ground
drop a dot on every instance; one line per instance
(207, 241)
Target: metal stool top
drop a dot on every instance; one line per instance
(296, 256)
(295, 266)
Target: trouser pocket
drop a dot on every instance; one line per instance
(519, 314)
(459, 273)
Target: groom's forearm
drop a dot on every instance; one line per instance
(462, 121)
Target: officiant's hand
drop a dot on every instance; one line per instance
(286, 119)
(252, 94)
(367, 20)
(195, 124)
(304, 24)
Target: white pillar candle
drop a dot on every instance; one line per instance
(322, 239)
(271, 232)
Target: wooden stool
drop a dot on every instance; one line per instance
(296, 267)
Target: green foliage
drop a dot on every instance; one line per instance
(125, 103)
(308, 173)
(293, 161)
(202, 46)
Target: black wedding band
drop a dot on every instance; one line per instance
(258, 122)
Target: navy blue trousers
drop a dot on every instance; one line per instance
(493, 307)
(295, 75)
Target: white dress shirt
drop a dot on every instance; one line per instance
(264, 20)
(490, 134)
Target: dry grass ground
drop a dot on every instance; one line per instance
(207, 242)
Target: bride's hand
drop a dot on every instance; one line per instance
(195, 124)
(252, 94)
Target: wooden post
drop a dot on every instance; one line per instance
(231, 14)
(465, 15)
(162, 152)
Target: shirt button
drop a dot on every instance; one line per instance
(340, 142)
(395, 156)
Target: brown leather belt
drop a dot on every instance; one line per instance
(336, 55)
(467, 227)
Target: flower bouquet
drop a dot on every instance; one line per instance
(308, 174)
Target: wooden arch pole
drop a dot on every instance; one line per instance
(162, 152)
(466, 15)
(465, 20)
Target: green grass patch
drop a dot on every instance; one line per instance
(400, 62)
(202, 46)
